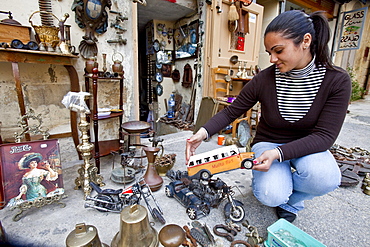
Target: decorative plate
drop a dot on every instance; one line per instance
(159, 89)
(158, 64)
(159, 77)
(243, 133)
(156, 45)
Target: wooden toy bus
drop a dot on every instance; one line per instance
(223, 159)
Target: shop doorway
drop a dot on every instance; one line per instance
(163, 10)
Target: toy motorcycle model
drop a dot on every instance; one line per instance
(110, 200)
(212, 193)
(233, 209)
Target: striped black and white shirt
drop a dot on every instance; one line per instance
(297, 89)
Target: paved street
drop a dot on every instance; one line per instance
(341, 218)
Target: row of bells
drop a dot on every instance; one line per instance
(135, 230)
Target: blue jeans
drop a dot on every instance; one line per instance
(315, 175)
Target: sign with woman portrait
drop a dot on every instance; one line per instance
(29, 170)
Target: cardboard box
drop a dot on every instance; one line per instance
(8, 32)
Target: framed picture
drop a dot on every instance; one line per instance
(29, 170)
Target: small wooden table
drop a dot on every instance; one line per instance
(16, 56)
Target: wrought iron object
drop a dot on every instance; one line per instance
(34, 128)
(238, 242)
(253, 237)
(366, 184)
(119, 19)
(189, 236)
(38, 202)
(135, 229)
(93, 17)
(226, 232)
(84, 235)
(119, 40)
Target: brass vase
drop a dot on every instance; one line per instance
(151, 176)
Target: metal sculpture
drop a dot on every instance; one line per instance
(92, 16)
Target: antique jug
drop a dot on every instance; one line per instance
(117, 66)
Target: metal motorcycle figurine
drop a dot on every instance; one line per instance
(211, 194)
(110, 200)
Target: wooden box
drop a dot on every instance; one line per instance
(8, 32)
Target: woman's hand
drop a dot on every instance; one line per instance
(193, 142)
(263, 162)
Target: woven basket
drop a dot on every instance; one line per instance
(45, 34)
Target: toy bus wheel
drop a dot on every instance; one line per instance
(168, 191)
(192, 213)
(157, 215)
(204, 175)
(247, 163)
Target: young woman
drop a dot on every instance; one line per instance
(303, 100)
(31, 181)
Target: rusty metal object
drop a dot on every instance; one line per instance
(233, 243)
(189, 236)
(227, 232)
(353, 162)
(253, 237)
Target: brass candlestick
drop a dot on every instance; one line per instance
(87, 172)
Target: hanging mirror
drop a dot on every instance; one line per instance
(91, 16)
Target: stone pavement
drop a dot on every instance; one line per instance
(340, 218)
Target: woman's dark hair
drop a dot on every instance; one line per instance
(294, 24)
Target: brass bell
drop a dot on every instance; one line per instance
(135, 229)
(84, 236)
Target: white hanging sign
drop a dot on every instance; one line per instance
(351, 30)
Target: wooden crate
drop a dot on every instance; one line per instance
(8, 32)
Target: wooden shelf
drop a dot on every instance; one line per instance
(16, 56)
(103, 148)
(106, 147)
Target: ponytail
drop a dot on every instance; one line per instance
(320, 40)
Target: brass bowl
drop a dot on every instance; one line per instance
(171, 235)
(162, 170)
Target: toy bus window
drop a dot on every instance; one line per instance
(224, 155)
(233, 152)
(191, 163)
(215, 157)
(199, 162)
(207, 159)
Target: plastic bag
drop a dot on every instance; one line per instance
(75, 101)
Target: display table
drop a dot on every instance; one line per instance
(16, 56)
